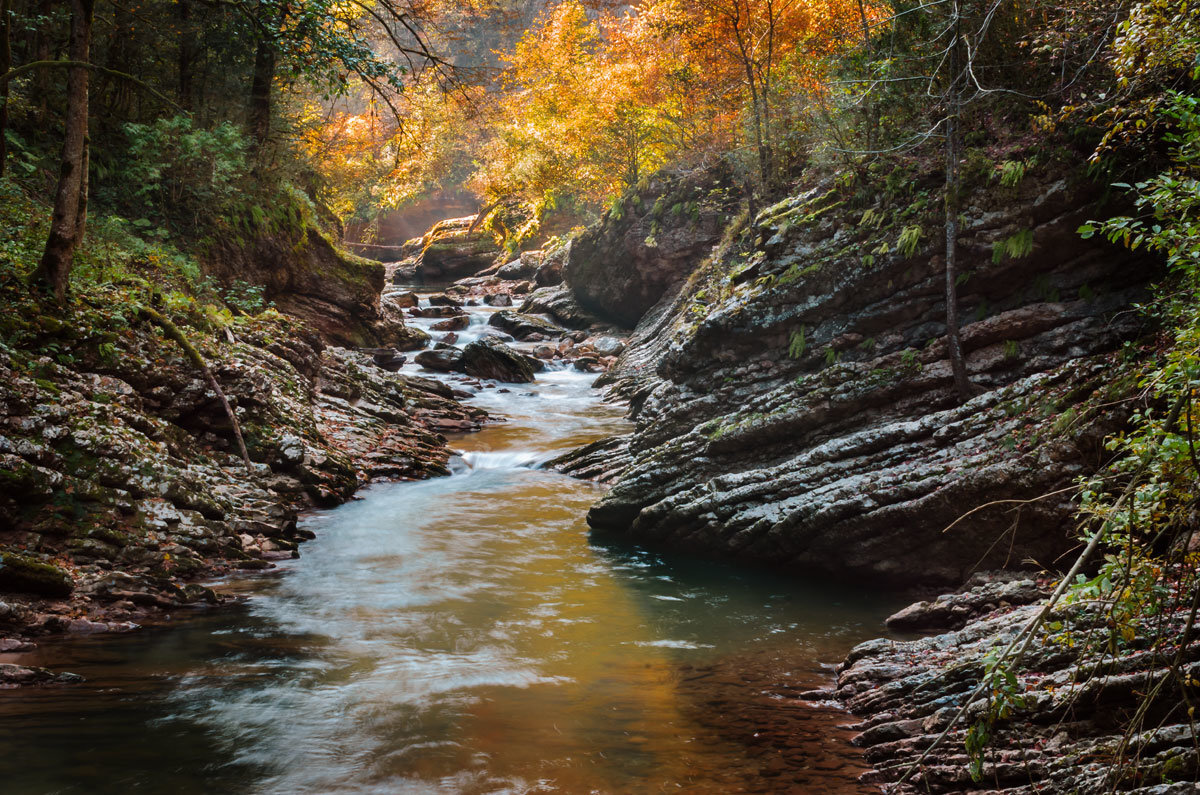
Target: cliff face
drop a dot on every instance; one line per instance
(336, 294)
(621, 267)
(794, 404)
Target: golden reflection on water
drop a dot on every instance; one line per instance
(463, 635)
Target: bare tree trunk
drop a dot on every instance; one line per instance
(41, 52)
(69, 217)
(187, 53)
(757, 116)
(966, 389)
(119, 96)
(871, 108)
(260, 93)
(734, 15)
(85, 162)
(5, 65)
(767, 70)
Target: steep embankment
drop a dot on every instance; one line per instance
(304, 275)
(794, 404)
(122, 484)
(1076, 716)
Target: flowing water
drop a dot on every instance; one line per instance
(462, 634)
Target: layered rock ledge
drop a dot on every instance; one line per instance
(1073, 724)
(794, 403)
(122, 490)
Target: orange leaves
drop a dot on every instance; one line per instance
(596, 95)
(575, 118)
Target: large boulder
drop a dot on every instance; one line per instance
(457, 323)
(454, 250)
(404, 300)
(650, 241)
(23, 574)
(523, 267)
(404, 273)
(436, 311)
(559, 303)
(490, 358)
(522, 326)
(550, 271)
(335, 293)
(391, 330)
(442, 360)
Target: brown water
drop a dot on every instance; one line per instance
(462, 635)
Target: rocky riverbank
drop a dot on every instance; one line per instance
(122, 487)
(794, 403)
(1072, 723)
(794, 407)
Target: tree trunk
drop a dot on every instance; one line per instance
(5, 65)
(69, 217)
(756, 109)
(966, 389)
(260, 93)
(119, 95)
(870, 107)
(186, 55)
(41, 52)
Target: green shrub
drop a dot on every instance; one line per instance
(179, 175)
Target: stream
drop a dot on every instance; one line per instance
(463, 635)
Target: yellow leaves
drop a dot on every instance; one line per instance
(591, 102)
(579, 112)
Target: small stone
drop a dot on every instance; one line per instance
(608, 346)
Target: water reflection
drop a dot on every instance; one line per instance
(462, 635)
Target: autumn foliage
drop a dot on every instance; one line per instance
(590, 101)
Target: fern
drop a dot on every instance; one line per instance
(910, 240)
(1014, 246)
(616, 210)
(798, 344)
(1012, 172)
(1045, 290)
(871, 218)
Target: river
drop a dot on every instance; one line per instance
(462, 635)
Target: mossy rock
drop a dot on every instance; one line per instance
(111, 535)
(22, 574)
(490, 358)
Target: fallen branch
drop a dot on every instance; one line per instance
(1019, 645)
(979, 508)
(13, 74)
(174, 333)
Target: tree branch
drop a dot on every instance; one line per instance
(23, 69)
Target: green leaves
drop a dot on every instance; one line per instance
(1005, 693)
(797, 344)
(1156, 453)
(1015, 246)
(910, 240)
